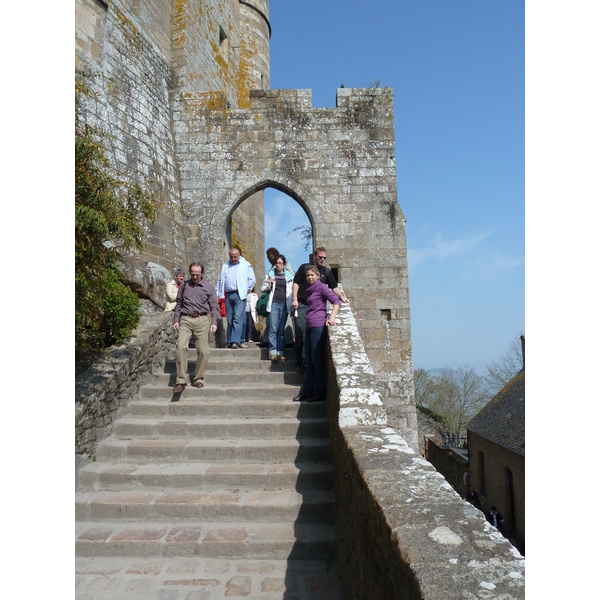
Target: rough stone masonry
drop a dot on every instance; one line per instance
(338, 164)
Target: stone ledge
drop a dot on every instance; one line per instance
(358, 400)
(403, 532)
(415, 536)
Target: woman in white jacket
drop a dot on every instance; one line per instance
(279, 281)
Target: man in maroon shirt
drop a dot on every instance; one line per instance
(196, 312)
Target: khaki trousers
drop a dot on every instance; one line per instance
(200, 328)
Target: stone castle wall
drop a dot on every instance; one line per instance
(451, 465)
(338, 164)
(103, 390)
(132, 105)
(148, 52)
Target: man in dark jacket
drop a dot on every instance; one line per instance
(495, 518)
(473, 498)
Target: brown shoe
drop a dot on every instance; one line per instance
(179, 388)
(198, 383)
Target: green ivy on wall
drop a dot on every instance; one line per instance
(108, 221)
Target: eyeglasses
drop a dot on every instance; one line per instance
(196, 274)
(321, 257)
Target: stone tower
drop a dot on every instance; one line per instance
(247, 222)
(150, 53)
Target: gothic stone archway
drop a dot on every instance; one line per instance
(340, 163)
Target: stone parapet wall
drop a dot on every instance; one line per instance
(108, 385)
(403, 532)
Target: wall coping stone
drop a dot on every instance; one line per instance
(424, 540)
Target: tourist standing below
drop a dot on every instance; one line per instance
(234, 283)
(279, 282)
(173, 288)
(196, 313)
(495, 518)
(299, 299)
(473, 498)
(317, 295)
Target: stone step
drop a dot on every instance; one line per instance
(259, 541)
(243, 407)
(201, 427)
(230, 479)
(233, 391)
(205, 475)
(256, 365)
(252, 505)
(183, 449)
(187, 578)
(253, 353)
(245, 378)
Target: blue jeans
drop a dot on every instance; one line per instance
(314, 382)
(236, 312)
(277, 319)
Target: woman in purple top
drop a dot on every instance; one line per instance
(317, 295)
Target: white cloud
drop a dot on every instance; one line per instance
(441, 250)
(488, 264)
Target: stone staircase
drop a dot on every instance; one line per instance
(223, 492)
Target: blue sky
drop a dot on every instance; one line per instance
(457, 70)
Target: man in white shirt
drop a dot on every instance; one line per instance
(235, 282)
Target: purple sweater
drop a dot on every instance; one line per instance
(317, 295)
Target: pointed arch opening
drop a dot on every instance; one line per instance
(263, 217)
(269, 215)
(287, 228)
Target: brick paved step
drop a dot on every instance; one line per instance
(258, 541)
(240, 407)
(249, 450)
(263, 428)
(234, 391)
(187, 578)
(205, 475)
(253, 505)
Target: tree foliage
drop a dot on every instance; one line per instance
(502, 370)
(452, 398)
(305, 233)
(108, 221)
